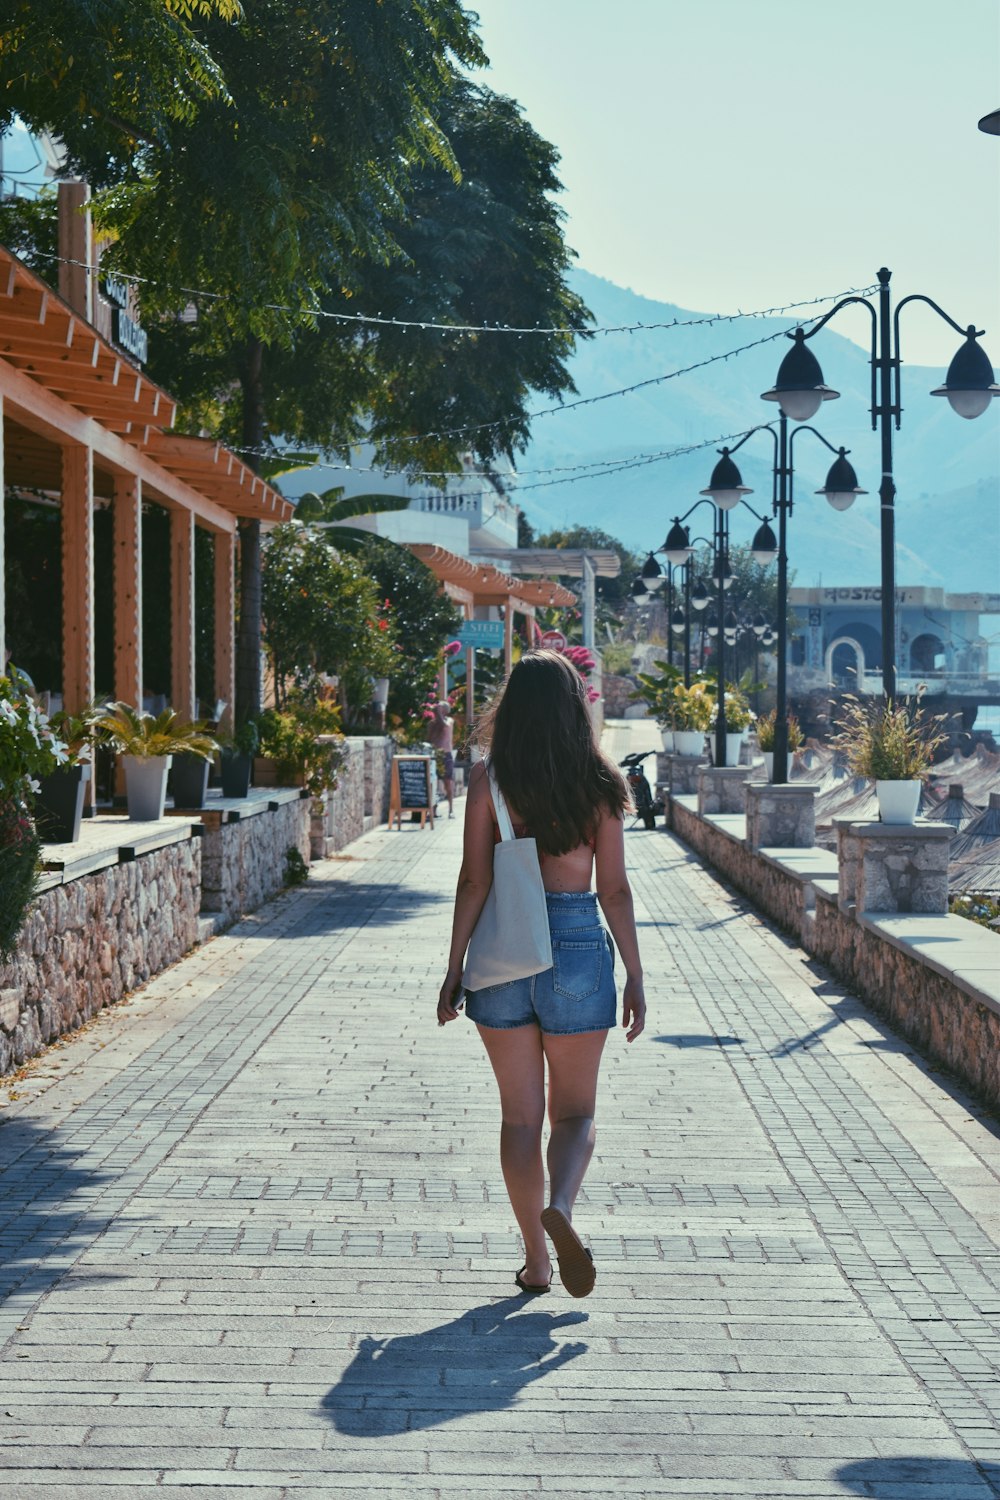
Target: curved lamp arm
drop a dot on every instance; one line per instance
(861, 302)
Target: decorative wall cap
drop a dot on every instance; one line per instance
(927, 831)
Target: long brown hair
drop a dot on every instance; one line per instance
(541, 743)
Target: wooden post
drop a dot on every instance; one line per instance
(77, 576)
(508, 636)
(75, 247)
(126, 520)
(225, 660)
(3, 597)
(182, 687)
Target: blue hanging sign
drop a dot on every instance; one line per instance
(484, 635)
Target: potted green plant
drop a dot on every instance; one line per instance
(693, 712)
(656, 690)
(301, 744)
(237, 759)
(59, 803)
(892, 744)
(147, 744)
(738, 720)
(765, 737)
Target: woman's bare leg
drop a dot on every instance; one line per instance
(518, 1062)
(574, 1062)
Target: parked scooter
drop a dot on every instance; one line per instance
(646, 807)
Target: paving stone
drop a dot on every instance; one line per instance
(269, 1251)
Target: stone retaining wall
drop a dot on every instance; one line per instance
(781, 895)
(941, 1019)
(243, 863)
(89, 942)
(360, 799)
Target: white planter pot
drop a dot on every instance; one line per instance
(146, 785)
(668, 738)
(689, 741)
(768, 763)
(734, 744)
(898, 800)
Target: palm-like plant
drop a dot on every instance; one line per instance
(131, 731)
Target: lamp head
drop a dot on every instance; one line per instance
(638, 591)
(678, 544)
(677, 621)
(652, 574)
(969, 384)
(726, 488)
(799, 388)
(759, 625)
(841, 488)
(699, 595)
(722, 571)
(764, 547)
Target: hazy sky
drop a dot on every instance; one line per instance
(743, 153)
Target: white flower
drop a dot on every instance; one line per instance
(8, 713)
(34, 785)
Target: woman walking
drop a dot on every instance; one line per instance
(563, 791)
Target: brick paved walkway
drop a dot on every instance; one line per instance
(256, 1241)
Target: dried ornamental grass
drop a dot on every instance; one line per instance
(887, 741)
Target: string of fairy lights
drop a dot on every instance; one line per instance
(524, 479)
(427, 325)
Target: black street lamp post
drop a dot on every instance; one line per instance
(969, 387)
(841, 490)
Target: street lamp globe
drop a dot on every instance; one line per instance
(726, 488)
(677, 546)
(677, 621)
(712, 627)
(799, 388)
(699, 595)
(764, 547)
(723, 571)
(759, 626)
(969, 384)
(652, 574)
(841, 487)
(639, 592)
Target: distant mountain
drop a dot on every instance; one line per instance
(947, 470)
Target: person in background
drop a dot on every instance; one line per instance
(440, 732)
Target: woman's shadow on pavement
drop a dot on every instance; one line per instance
(478, 1362)
(907, 1478)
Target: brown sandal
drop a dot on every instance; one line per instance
(526, 1286)
(576, 1264)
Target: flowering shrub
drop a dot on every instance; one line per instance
(694, 706)
(28, 749)
(291, 737)
(584, 663)
(738, 712)
(978, 906)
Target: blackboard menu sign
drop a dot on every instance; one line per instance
(412, 788)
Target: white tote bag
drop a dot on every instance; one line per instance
(511, 939)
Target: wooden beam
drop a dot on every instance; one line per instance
(182, 685)
(126, 520)
(44, 413)
(77, 576)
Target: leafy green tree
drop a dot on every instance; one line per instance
(322, 614)
(424, 620)
(614, 592)
(111, 78)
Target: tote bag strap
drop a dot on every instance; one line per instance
(503, 816)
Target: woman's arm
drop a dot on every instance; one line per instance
(474, 881)
(615, 895)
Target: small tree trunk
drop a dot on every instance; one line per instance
(248, 639)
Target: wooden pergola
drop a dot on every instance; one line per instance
(82, 424)
(478, 583)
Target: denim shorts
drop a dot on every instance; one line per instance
(577, 994)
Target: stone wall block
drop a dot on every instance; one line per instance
(901, 868)
(722, 789)
(780, 817)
